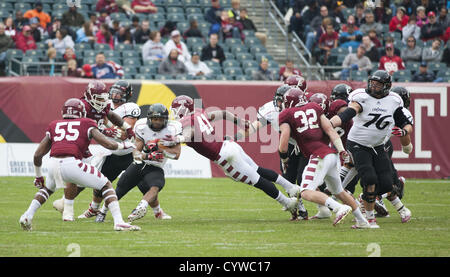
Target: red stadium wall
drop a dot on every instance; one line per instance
(28, 104)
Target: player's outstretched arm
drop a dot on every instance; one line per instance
(253, 127)
(173, 152)
(331, 133)
(43, 148)
(118, 121)
(353, 109)
(107, 143)
(285, 134)
(226, 115)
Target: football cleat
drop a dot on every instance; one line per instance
(162, 215)
(126, 227)
(323, 212)
(89, 213)
(361, 205)
(341, 214)
(381, 209)
(294, 191)
(100, 217)
(25, 222)
(373, 223)
(302, 212)
(58, 204)
(137, 213)
(405, 214)
(363, 225)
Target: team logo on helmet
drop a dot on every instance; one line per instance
(181, 106)
(294, 97)
(322, 100)
(73, 108)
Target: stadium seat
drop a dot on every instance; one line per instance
(339, 51)
(156, 17)
(130, 70)
(403, 79)
(22, 6)
(244, 56)
(118, 16)
(236, 49)
(174, 9)
(205, 3)
(233, 41)
(101, 47)
(190, 3)
(249, 64)
(89, 60)
(143, 76)
(443, 73)
(255, 49)
(130, 54)
(162, 77)
(183, 26)
(230, 63)
(123, 47)
(402, 73)
(151, 63)
(251, 41)
(216, 70)
(14, 53)
(242, 78)
(177, 17)
(437, 66)
(358, 75)
(173, 3)
(193, 10)
(89, 53)
(233, 71)
(82, 46)
(197, 16)
(34, 53)
(132, 62)
(148, 70)
(197, 48)
(193, 40)
(230, 56)
(249, 34)
(110, 54)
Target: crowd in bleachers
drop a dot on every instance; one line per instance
(142, 39)
(408, 38)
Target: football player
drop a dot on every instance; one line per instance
(98, 108)
(268, 115)
(198, 133)
(147, 172)
(373, 110)
(297, 81)
(68, 139)
(307, 124)
(112, 163)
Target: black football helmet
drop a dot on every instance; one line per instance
(384, 79)
(281, 90)
(157, 111)
(123, 88)
(340, 91)
(404, 94)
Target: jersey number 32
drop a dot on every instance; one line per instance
(308, 119)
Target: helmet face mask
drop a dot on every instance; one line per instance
(181, 106)
(123, 89)
(97, 95)
(73, 108)
(155, 112)
(278, 98)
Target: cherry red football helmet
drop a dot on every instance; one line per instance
(181, 106)
(97, 95)
(294, 97)
(322, 100)
(296, 81)
(73, 108)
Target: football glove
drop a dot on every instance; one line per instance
(151, 146)
(398, 132)
(112, 133)
(344, 157)
(39, 182)
(130, 133)
(156, 156)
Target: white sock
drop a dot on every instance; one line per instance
(156, 209)
(332, 204)
(34, 206)
(370, 214)
(143, 204)
(115, 211)
(68, 206)
(284, 183)
(282, 199)
(397, 203)
(359, 216)
(104, 209)
(95, 205)
(343, 172)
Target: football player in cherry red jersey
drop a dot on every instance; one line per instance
(98, 108)
(67, 140)
(198, 133)
(308, 125)
(268, 115)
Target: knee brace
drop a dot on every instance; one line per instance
(368, 175)
(369, 196)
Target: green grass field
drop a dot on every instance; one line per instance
(222, 218)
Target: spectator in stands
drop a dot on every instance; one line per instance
(431, 30)
(344, 27)
(85, 33)
(19, 21)
(444, 18)
(44, 18)
(6, 43)
(213, 16)
(172, 65)
(249, 25)
(86, 71)
(263, 73)
(51, 58)
(359, 15)
(430, 6)
(371, 50)
(124, 6)
(123, 36)
(10, 28)
(61, 41)
(373, 37)
(153, 49)
(195, 67)
(94, 21)
(72, 18)
(142, 34)
(24, 40)
(144, 6)
(411, 29)
(355, 62)
(309, 14)
(391, 62)
(296, 24)
(316, 23)
(193, 30)
(104, 18)
(399, 20)
(213, 51)
(71, 69)
(115, 28)
(337, 14)
(446, 55)
(287, 70)
(433, 53)
(351, 38)
(371, 24)
(237, 25)
(134, 24)
(105, 36)
(175, 42)
(36, 29)
(235, 10)
(109, 5)
(383, 12)
(327, 41)
(105, 70)
(389, 40)
(227, 28)
(412, 52)
(69, 54)
(423, 75)
(421, 17)
(167, 29)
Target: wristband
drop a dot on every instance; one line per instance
(125, 125)
(338, 144)
(283, 155)
(169, 155)
(119, 146)
(37, 170)
(407, 149)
